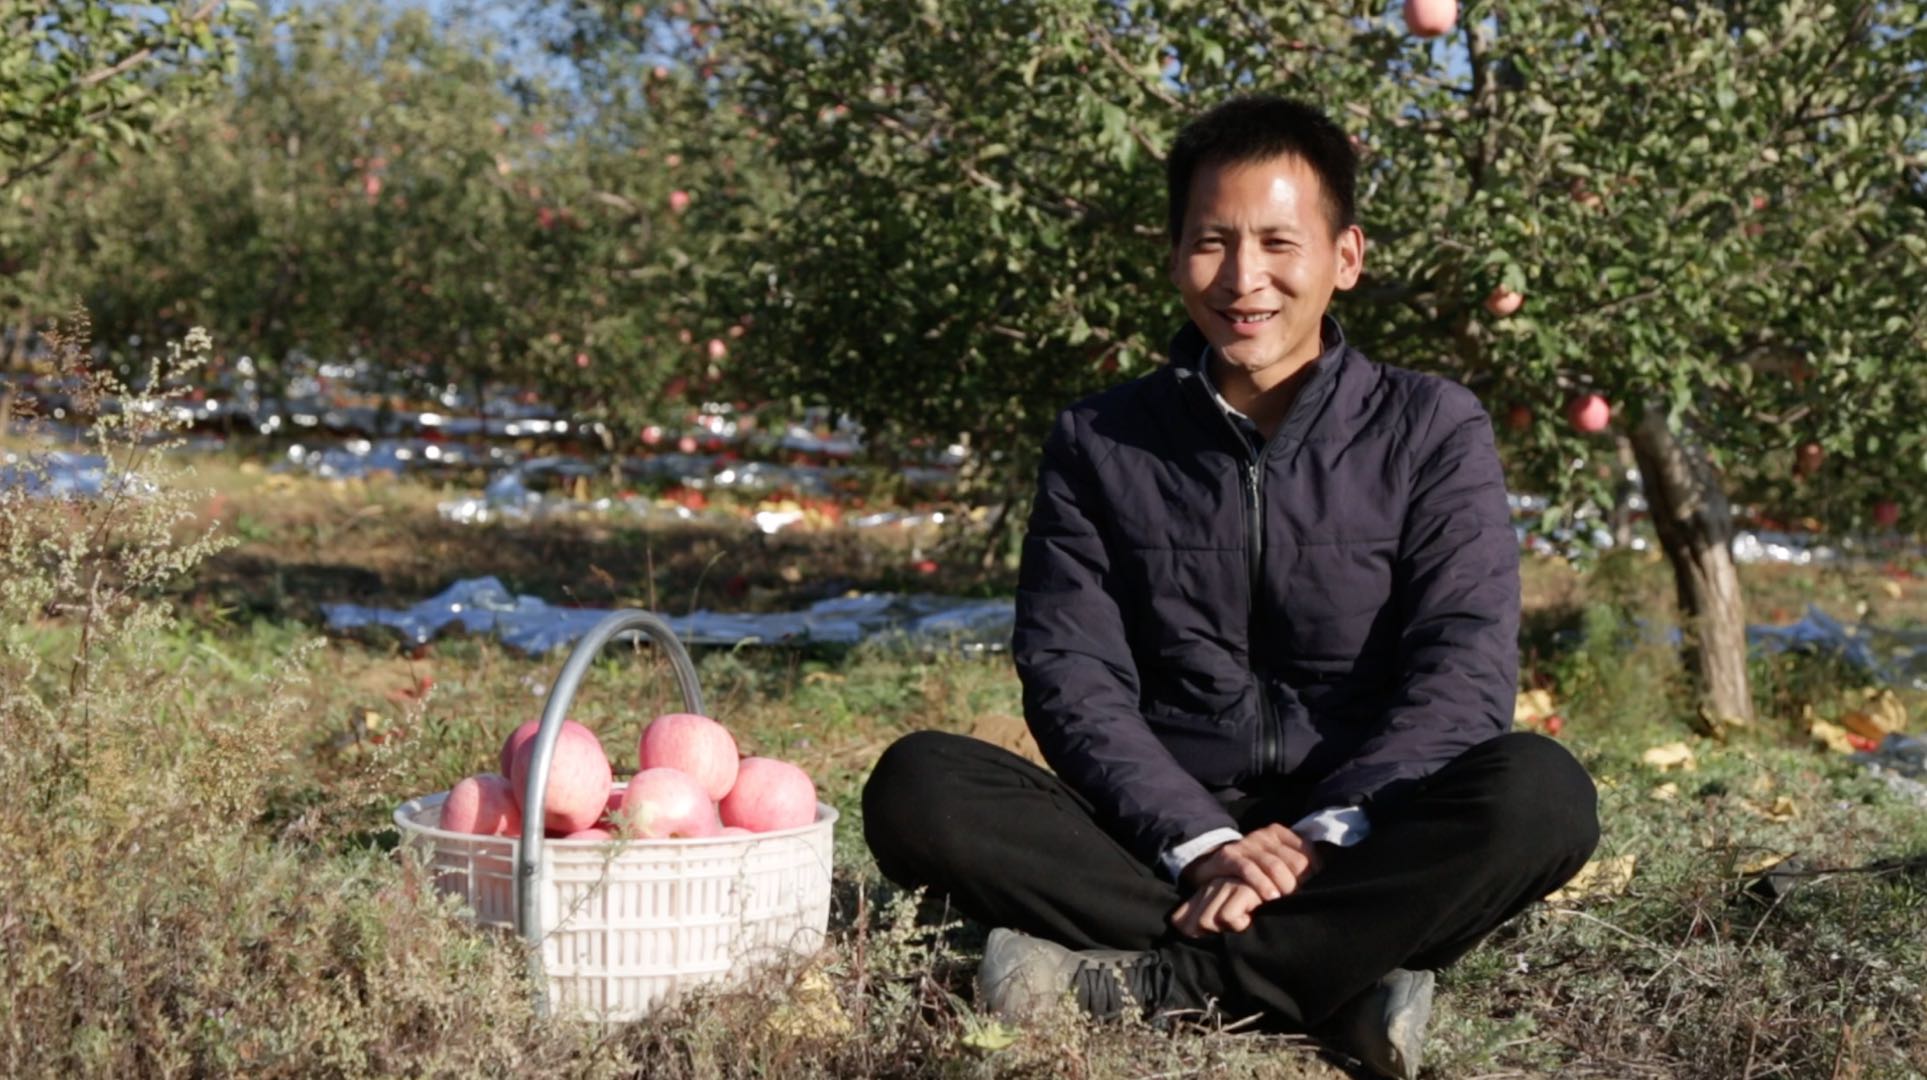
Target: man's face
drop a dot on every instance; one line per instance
(1258, 261)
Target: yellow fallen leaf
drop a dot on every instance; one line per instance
(1666, 792)
(1881, 713)
(1892, 589)
(1671, 756)
(1597, 877)
(990, 1037)
(1861, 723)
(1831, 736)
(1780, 809)
(813, 1009)
(1532, 704)
(1762, 863)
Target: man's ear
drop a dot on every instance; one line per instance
(1351, 257)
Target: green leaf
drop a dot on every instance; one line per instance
(991, 1036)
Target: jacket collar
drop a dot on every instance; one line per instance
(1188, 353)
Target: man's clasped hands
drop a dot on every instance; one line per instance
(1231, 881)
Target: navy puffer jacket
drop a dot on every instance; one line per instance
(1196, 617)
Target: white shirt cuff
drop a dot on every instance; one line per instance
(1340, 826)
(1182, 855)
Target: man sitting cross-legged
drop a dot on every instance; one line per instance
(1267, 630)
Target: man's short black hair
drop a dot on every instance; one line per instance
(1260, 127)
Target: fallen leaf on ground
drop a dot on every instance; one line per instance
(1666, 792)
(1762, 863)
(1531, 704)
(991, 1037)
(812, 1009)
(1672, 756)
(1597, 878)
(1831, 736)
(1881, 714)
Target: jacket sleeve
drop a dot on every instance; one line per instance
(1456, 584)
(1079, 678)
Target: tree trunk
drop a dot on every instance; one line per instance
(1622, 515)
(1695, 526)
(990, 556)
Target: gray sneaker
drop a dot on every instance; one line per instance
(1384, 1027)
(1022, 976)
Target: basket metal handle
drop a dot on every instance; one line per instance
(528, 922)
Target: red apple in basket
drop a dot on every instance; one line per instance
(483, 805)
(593, 832)
(663, 802)
(579, 779)
(769, 795)
(693, 744)
(523, 734)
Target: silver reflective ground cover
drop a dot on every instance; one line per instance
(531, 625)
(1900, 761)
(61, 475)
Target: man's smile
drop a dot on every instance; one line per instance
(1245, 322)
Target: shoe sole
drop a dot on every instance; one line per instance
(1408, 1014)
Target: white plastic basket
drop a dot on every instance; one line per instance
(622, 926)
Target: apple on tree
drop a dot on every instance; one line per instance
(1502, 301)
(1589, 413)
(1430, 18)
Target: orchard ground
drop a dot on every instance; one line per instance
(300, 947)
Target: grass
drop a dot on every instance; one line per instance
(201, 883)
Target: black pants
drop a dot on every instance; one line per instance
(1464, 850)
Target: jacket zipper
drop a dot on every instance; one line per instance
(1270, 750)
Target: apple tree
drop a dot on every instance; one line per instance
(1710, 216)
(76, 74)
(80, 77)
(372, 184)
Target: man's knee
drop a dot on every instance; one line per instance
(907, 770)
(1540, 798)
(909, 799)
